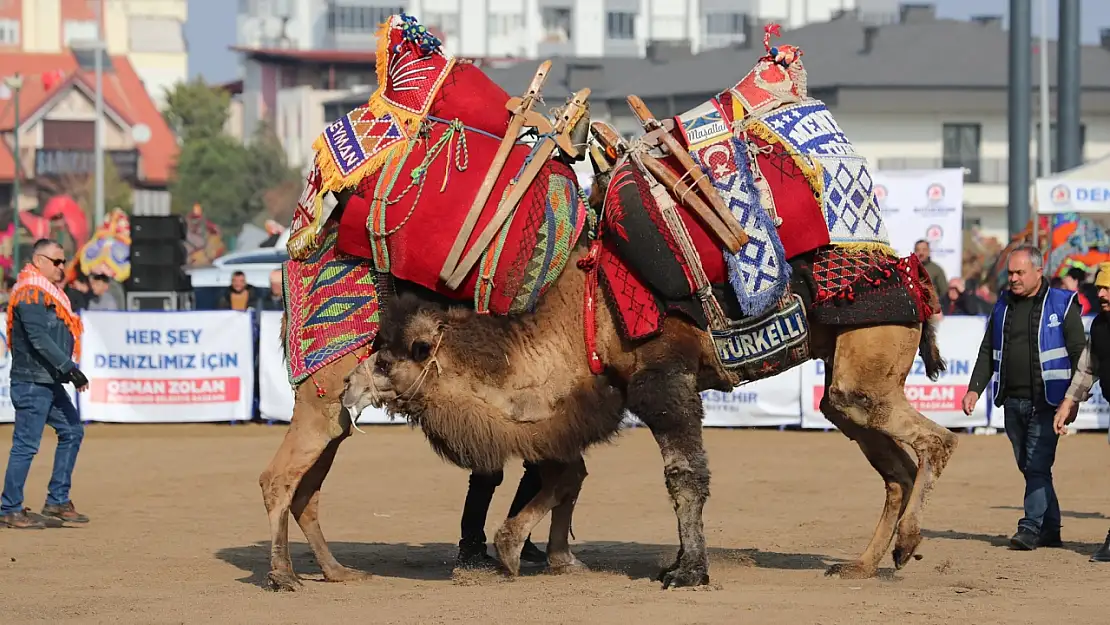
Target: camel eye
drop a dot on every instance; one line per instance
(420, 350)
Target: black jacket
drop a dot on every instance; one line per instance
(1075, 340)
(225, 300)
(42, 345)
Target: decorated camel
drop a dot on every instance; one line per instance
(662, 299)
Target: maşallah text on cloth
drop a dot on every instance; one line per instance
(33, 288)
(331, 307)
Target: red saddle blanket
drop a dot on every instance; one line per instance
(406, 215)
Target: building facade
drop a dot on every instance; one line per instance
(537, 28)
(148, 32)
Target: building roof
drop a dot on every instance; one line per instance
(920, 54)
(289, 55)
(125, 97)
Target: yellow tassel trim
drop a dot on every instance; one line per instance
(332, 178)
(881, 248)
(409, 121)
(811, 169)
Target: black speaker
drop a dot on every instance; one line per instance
(145, 228)
(163, 253)
(158, 278)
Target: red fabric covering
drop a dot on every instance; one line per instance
(468, 94)
(803, 227)
(419, 247)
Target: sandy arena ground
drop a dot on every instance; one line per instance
(179, 535)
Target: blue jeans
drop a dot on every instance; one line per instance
(35, 406)
(1029, 428)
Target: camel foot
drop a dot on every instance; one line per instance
(851, 570)
(283, 581)
(508, 552)
(685, 576)
(905, 549)
(564, 565)
(344, 574)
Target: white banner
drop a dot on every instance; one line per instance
(769, 402)
(958, 339)
(924, 204)
(168, 367)
(275, 401)
(7, 411)
(1073, 196)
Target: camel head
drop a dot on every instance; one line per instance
(422, 347)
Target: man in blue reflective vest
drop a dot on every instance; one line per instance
(1032, 344)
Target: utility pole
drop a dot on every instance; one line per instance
(1068, 151)
(15, 83)
(1021, 27)
(1045, 139)
(98, 149)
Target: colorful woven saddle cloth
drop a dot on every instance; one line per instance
(331, 307)
(415, 156)
(786, 171)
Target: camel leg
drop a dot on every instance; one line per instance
(666, 399)
(898, 471)
(305, 507)
(867, 388)
(309, 434)
(559, 558)
(557, 480)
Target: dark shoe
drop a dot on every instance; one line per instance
(65, 513)
(1051, 540)
(1024, 540)
(474, 557)
(532, 554)
(22, 520)
(1103, 554)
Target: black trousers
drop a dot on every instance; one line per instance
(480, 495)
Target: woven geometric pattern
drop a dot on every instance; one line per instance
(332, 308)
(354, 139)
(809, 128)
(851, 210)
(563, 219)
(758, 272)
(858, 287)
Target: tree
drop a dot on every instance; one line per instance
(230, 181)
(194, 109)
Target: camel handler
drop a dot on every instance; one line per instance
(44, 337)
(1097, 351)
(472, 547)
(1032, 344)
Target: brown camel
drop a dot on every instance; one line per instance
(484, 389)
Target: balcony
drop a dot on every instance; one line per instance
(55, 163)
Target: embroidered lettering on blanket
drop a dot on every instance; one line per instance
(840, 176)
(768, 344)
(758, 273)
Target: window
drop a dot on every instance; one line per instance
(557, 25)
(505, 24)
(621, 25)
(359, 19)
(78, 30)
(1054, 163)
(9, 32)
(155, 34)
(446, 24)
(725, 24)
(58, 134)
(961, 148)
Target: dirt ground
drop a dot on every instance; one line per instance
(179, 535)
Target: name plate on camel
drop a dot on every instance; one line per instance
(763, 346)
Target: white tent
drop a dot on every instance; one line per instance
(1083, 189)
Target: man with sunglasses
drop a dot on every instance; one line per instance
(44, 339)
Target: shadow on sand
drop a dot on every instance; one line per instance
(434, 561)
(1003, 541)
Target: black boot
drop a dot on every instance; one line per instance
(527, 490)
(472, 547)
(1103, 554)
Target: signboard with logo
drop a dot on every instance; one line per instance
(924, 204)
(1073, 196)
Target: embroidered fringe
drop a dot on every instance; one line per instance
(35, 295)
(331, 177)
(881, 248)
